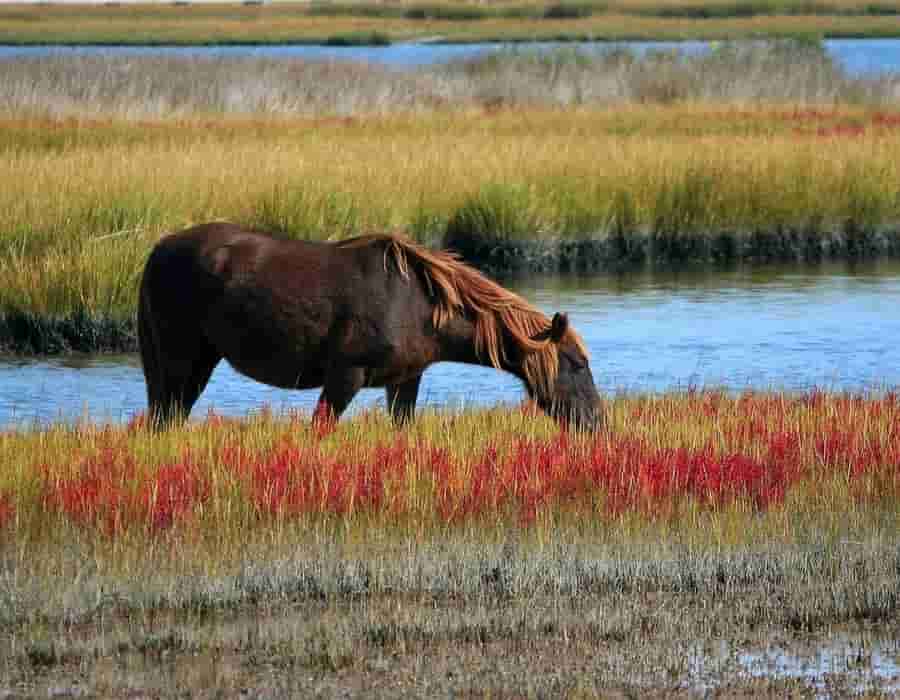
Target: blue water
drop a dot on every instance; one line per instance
(858, 56)
(793, 328)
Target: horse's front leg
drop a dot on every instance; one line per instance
(401, 399)
(341, 385)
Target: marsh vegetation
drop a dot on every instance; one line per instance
(482, 553)
(278, 555)
(353, 23)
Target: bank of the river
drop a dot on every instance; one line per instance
(361, 23)
(634, 250)
(26, 333)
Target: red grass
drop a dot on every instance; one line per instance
(886, 121)
(171, 495)
(292, 479)
(7, 510)
(749, 451)
(108, 493)
(97, 495)
(811, 124)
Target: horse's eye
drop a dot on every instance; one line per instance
(578, 364)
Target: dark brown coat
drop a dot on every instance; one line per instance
(369, 311)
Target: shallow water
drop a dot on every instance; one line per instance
(834, 665)
(868, 665)
(784, 328)
(858, 56)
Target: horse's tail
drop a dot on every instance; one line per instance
(149, 343)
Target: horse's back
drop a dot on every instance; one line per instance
(282, 312)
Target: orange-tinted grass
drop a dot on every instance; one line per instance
(659, 458)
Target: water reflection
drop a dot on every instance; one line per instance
(831, 326)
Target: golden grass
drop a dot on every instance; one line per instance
(74, 232)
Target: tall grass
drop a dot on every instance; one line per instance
(697, 517)
(75, 232)
(710, 469)
(165, 87)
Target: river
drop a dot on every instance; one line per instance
(834, 326)
(858, 56)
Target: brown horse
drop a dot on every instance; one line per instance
(370, 311)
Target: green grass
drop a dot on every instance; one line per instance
(347, 23)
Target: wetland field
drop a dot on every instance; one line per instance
(703, 542)
(445, 21)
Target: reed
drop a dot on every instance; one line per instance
(167, 87)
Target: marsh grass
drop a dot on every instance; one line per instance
(352, 23)
(351, 593)
(74, 235)
(166, 87)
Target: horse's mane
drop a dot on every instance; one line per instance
(459, 289)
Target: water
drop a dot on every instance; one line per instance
(835, 327)
(828, 665)
(858, 56)
(870, 666)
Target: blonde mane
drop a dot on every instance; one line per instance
(459, 289)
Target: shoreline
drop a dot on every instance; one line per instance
(26, 334)
(379, 40)
(504, 258)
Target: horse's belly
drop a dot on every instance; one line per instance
(280, 372)
(265, 345)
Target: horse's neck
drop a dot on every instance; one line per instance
(458, 345)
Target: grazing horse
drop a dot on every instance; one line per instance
(371, 311)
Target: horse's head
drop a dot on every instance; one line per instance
(572, 399)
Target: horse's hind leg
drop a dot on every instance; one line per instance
(178, 381)
(401, 399)
(341, 385)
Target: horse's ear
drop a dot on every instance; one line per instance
(558, 326)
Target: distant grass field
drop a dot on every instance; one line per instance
(375, 23)
(483, 553)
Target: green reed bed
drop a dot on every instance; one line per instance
(283, 555)
(347, 23)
